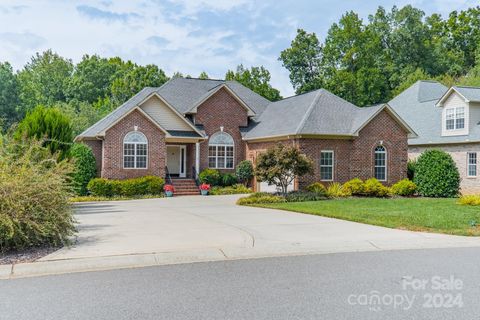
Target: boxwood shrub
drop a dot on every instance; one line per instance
(101, 187)
(374, 188)
(436, 175)
(404, 188)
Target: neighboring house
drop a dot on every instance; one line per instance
(188, 125)
(447, 119)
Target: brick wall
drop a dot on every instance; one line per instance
(96, 146)
(221, 109)
(383, 128)
(113, 148)
(353, 158)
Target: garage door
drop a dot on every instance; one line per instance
(271, 188)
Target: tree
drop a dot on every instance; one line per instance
(43, 79)
(279, 165)
(50, 126)
(255, 78)
(83, 114)
(92, 79)
(134, 79)
(303, 61)
(203, 75)
(436, 175)
(244, 171)
(84, 167)
(8, 96)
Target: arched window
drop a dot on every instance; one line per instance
(380, 163)
(135, 146)
(220, 151)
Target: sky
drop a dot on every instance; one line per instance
(189, 36)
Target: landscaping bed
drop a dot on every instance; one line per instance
(27, 255)
(438, 215)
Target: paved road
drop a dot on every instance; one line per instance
(194, 223)
(331, 286)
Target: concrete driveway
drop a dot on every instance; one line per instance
(191, 224)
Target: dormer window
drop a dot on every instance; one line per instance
(455, 118)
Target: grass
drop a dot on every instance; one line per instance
(116, 198)
(416, 214)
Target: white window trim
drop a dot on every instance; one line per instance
(225, 156)
(135, 152)
(386, 162)
(454, 110)
(469, 164)
(332, 166)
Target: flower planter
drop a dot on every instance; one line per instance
(204, 192)
(169, 193)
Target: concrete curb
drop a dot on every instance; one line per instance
(51, 267)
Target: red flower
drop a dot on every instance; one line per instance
(204, 186)
(168, 188)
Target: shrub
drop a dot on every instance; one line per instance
(49, 124)
(210, 176)
(374, 188)
(244, 172)
(101, 187)
(404, 188)
(436, 175)
(228, 179)
(354, 187)
(411, 164)
(84, 167)
(34, 197)
(302, 196)
(235, 189)
(470, 200)
(260, 197)
(335, 190)
(317, 187)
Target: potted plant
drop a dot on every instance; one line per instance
(204, 188)
(169, 190)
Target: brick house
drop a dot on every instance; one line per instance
(187, 125)
(447, 119)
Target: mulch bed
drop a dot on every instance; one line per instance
(28, 255)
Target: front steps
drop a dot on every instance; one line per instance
(185, 187)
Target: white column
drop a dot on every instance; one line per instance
(197, 158)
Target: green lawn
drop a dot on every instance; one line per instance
(418, 214)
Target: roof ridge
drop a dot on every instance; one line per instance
(300, 94)
(309, 111)
(467, 87)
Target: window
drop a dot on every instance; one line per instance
(220, 151)
(455, 118)
(135, 148)
(326, 165)
(472, 164)
(380, 163)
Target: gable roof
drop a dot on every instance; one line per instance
(184, 93)
(315, 113)
(469, 94)
(425, 117)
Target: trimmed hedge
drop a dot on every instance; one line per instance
(354, 187)
(374, 188)
(101, 187)
(404, 188)
(436, 175)
(84, 167)
(210, 176)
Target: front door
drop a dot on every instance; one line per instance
(176, 161)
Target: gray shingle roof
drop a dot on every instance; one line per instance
(318, 113)
(182, 94)
(472, 94)
(417, 106)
